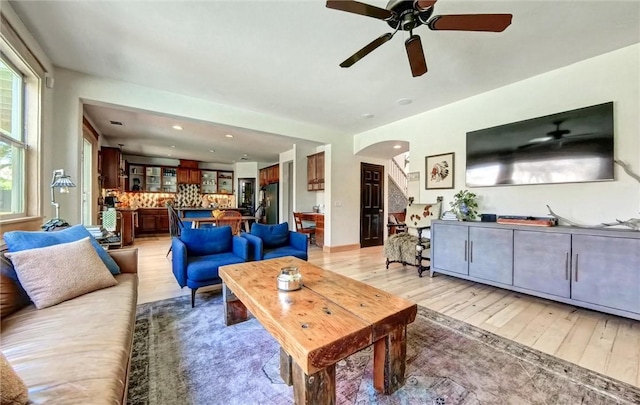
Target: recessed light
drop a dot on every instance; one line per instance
(367, 115)
(229, 136)
(177, 127)
(397, 146)
(245, 155)
(169, 154)
(404, 101)
(212, 150)
(173, 146)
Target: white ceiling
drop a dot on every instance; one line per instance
(281, 58)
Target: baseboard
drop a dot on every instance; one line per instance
(342, 248)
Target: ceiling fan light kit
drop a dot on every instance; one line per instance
(406, 15)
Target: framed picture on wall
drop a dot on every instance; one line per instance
(439, 171)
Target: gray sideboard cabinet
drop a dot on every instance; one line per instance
(482, 253)
(593, 268)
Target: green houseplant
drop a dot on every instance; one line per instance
(465, 205)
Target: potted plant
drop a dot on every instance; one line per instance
(465, 205)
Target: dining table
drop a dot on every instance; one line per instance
(197, 221)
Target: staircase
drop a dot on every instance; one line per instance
(398, 187)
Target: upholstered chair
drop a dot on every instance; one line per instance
(198, 253)
(271, 241)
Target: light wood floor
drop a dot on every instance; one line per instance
(605, 343)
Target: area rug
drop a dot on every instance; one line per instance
(187, 356)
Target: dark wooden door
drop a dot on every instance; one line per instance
(371, 205)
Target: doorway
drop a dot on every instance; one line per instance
(87, 195)
(371, 205)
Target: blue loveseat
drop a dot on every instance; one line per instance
(198, 253)
(271, 241)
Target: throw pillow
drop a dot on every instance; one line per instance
(207, 241)
(272, 236)
(12, 388)
(22, 240)
(12, 296)
(53, 274)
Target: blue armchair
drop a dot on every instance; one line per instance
(198, 253)
(271, 241)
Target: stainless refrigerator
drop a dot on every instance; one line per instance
(271, 203)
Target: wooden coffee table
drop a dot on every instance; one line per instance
(330, 318)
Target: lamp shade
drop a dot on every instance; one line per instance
(63, 181)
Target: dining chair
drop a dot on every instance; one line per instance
(175, 225)
(233, 219)
(300, 228)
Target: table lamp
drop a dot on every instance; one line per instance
(63, 182)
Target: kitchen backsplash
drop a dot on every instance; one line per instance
(188, 195)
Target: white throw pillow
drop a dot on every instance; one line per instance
(53, 274)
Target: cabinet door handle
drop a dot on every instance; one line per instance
(465, 250)
(576, 267)
(566, 265)
(471, 252)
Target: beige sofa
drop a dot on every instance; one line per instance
(78, 351)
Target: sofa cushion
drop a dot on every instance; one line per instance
(22, 240)
(12, 296)
(202, 268)
(76, 352)
(12, 388)
(207, 241)
(272, 236)
(57, 273)
(284, 251)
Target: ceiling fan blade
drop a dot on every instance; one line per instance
(423, 5)
(416, 56)
(366, 50)
(356, 7)
(471, 22)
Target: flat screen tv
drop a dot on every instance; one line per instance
(569, 147)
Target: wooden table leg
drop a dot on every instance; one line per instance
(318, 388)
(389, 361)
(234, 309)
(285, 367)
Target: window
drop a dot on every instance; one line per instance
(12, 141)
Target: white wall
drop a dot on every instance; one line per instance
(72, 88)
(610, 77)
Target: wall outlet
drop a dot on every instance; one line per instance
(338, 203)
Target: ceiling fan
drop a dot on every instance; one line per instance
(408, 14)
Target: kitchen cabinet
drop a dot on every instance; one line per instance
(263, 177)
(225, 182)
(270, 175)
(319, 234)
(541, 262)
(127, 226)
(593, 268)
(151, 178)
(136, 178)
(111, 164)
(153, 220)
(188, 176)
(315, 172)
(209, 183)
